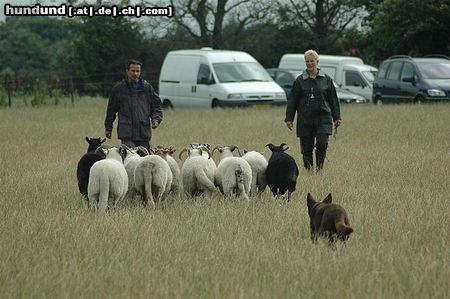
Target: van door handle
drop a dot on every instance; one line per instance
(194, 88)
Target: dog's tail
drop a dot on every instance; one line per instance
(343, 226)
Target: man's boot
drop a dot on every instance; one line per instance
(320, 159)
(308, 162)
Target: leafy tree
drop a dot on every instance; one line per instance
(102, 48)
(322, 22)
(415, 27)
(205, 20)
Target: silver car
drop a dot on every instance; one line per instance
(285, 78)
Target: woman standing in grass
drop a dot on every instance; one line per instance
(313, 97)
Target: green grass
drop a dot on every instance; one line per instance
(389, 167)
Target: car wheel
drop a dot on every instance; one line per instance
(419, 99)
(167, 104)
(378, 100)
(215, 104)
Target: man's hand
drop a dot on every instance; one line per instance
(289, 125)
(155, 124)
(108, 134)
(337, 123)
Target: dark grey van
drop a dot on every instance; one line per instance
(401, 78)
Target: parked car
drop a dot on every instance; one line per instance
(215, 78)
(350, 73)
(403, 78)
(285, 78)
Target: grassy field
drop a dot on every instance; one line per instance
(389, 167)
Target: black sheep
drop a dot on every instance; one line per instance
(86, 162)
(282, 171)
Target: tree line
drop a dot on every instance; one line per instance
(87, 55)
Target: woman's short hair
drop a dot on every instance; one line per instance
(312, 53)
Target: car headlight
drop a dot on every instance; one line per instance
(281, 95)
(436, 93)
(235, 96)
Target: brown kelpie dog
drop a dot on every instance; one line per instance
(328, 220)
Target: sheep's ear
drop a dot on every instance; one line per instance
(282, 146)
(245, 151)
(102, 141)
(123, 151)
(88, 140)
(327, 199)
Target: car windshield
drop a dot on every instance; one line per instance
(240, 72)
(370, 75)
(435, 70)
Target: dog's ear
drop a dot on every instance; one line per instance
(310, 201)
(328, 199)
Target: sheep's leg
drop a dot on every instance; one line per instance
(102, 202)
(93, 200)
(149, 202)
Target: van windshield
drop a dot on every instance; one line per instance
(240, 72)
(434, 70)
(370, 75)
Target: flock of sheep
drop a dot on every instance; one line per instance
(107, 174)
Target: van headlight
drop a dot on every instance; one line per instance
(235, 96)
(280, 95)
(436, 93)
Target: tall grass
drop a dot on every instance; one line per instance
(389, 167)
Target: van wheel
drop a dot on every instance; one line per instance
(419, 99)
(215, 104)
(167, 104)
(378, 100)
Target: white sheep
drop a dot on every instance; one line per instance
(206, 153)
(197, 174)
(132, 159)
(153, 178)
(234, 174)
(108, 180)
(166, 154)
(258, 163)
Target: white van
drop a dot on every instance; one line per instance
(214, 78)
(348, 72)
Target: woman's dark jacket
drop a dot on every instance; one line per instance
(136, 109)
(315, 114)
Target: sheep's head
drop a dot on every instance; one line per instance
(226, 151)
(141, 151)
(201, 145)
(103, 150)
(274, 148)
(94, 143)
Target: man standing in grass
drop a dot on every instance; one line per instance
(138, 107)
(313, 97)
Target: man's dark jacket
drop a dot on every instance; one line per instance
(136, 109)
(314, 115)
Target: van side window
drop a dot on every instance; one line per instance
(407, 72)
(354, 79)
(204, 75)
(382, 70)
(394, 71)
